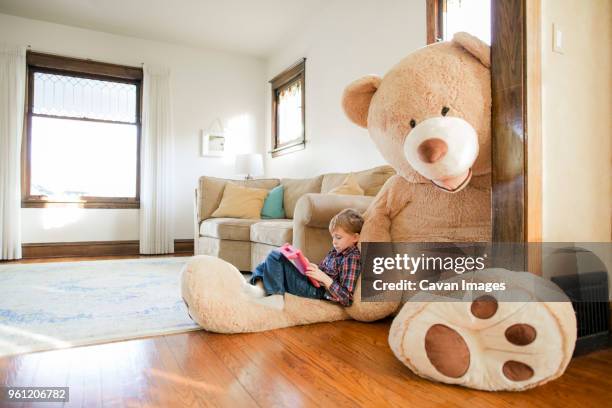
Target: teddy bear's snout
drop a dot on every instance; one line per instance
(440, 148)
(432, 150)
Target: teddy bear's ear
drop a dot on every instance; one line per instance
(357, 97)
(474, 46)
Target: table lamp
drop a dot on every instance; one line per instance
(249, 165)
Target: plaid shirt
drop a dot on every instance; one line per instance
(344, 269)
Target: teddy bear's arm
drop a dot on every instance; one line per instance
(390, 200)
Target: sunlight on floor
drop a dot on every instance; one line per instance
(179, 379)
(14, 331)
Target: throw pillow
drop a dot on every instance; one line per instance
(240, 202)
(349, 186)
(273, 206)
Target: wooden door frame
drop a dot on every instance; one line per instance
(516, 149)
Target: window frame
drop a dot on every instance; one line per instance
(53, 64)
(435, 20)
(296, 72)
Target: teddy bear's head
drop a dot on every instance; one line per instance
(430, 115)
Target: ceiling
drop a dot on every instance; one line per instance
(254, 27)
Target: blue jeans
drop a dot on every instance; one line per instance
(280, 276)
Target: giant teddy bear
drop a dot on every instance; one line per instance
(430, 117)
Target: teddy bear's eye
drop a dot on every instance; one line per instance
(445, 110)
(412, 123)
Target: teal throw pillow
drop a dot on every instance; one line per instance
(273, 206)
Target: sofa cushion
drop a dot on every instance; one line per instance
(348, 187)
(259, 253)
(211, 191)
(234, 229)
(370, 180)
(273, 232)
(241, 202)
(295, 188)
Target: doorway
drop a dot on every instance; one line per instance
(516, 147)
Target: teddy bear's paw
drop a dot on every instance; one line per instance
(485, 344)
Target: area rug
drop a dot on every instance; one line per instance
(58, 305)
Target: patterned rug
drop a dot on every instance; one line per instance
(58, 305)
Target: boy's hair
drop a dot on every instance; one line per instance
(348, 219)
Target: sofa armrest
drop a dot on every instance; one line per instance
(196, 222)
(313, 212)
(317, 210)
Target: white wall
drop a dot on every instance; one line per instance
(206, 85)
(577, 121)
(346, 40)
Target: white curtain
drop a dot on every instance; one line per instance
(12, 99)
(157, 167)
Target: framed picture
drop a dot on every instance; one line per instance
(213, 144)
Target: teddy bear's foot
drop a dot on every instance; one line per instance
(254, 291)
(485, 343)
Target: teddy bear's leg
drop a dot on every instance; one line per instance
(485, 344)
(220, 300)
(369, 311)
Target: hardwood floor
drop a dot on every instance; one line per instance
(347, 363)
(331, 364)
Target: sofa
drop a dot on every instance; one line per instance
(308, 205)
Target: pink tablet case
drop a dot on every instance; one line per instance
(298, 259)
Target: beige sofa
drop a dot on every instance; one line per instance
(308, 207)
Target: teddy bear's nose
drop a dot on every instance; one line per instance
(432, 150)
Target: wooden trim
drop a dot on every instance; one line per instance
(89, 202)
(38, 62)
(508, 120)
(533, 151)
(517, 127)
(289, 74)
(83, 66)
(288, 148)
(296, 72)
(94, 248)
(434, 11)
(183, 246)
(83, 119)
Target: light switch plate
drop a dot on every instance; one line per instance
(558, 39)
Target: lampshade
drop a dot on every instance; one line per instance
(249, 164)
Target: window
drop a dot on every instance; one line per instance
(288, 110)
(82, 133)
(447, 17)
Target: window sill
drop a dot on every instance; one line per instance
(111, 204)
(290, 148)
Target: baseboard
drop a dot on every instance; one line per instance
(183, 246)
(95, 248)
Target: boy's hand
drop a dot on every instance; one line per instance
(315, 273)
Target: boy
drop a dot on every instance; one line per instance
(337, 273)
